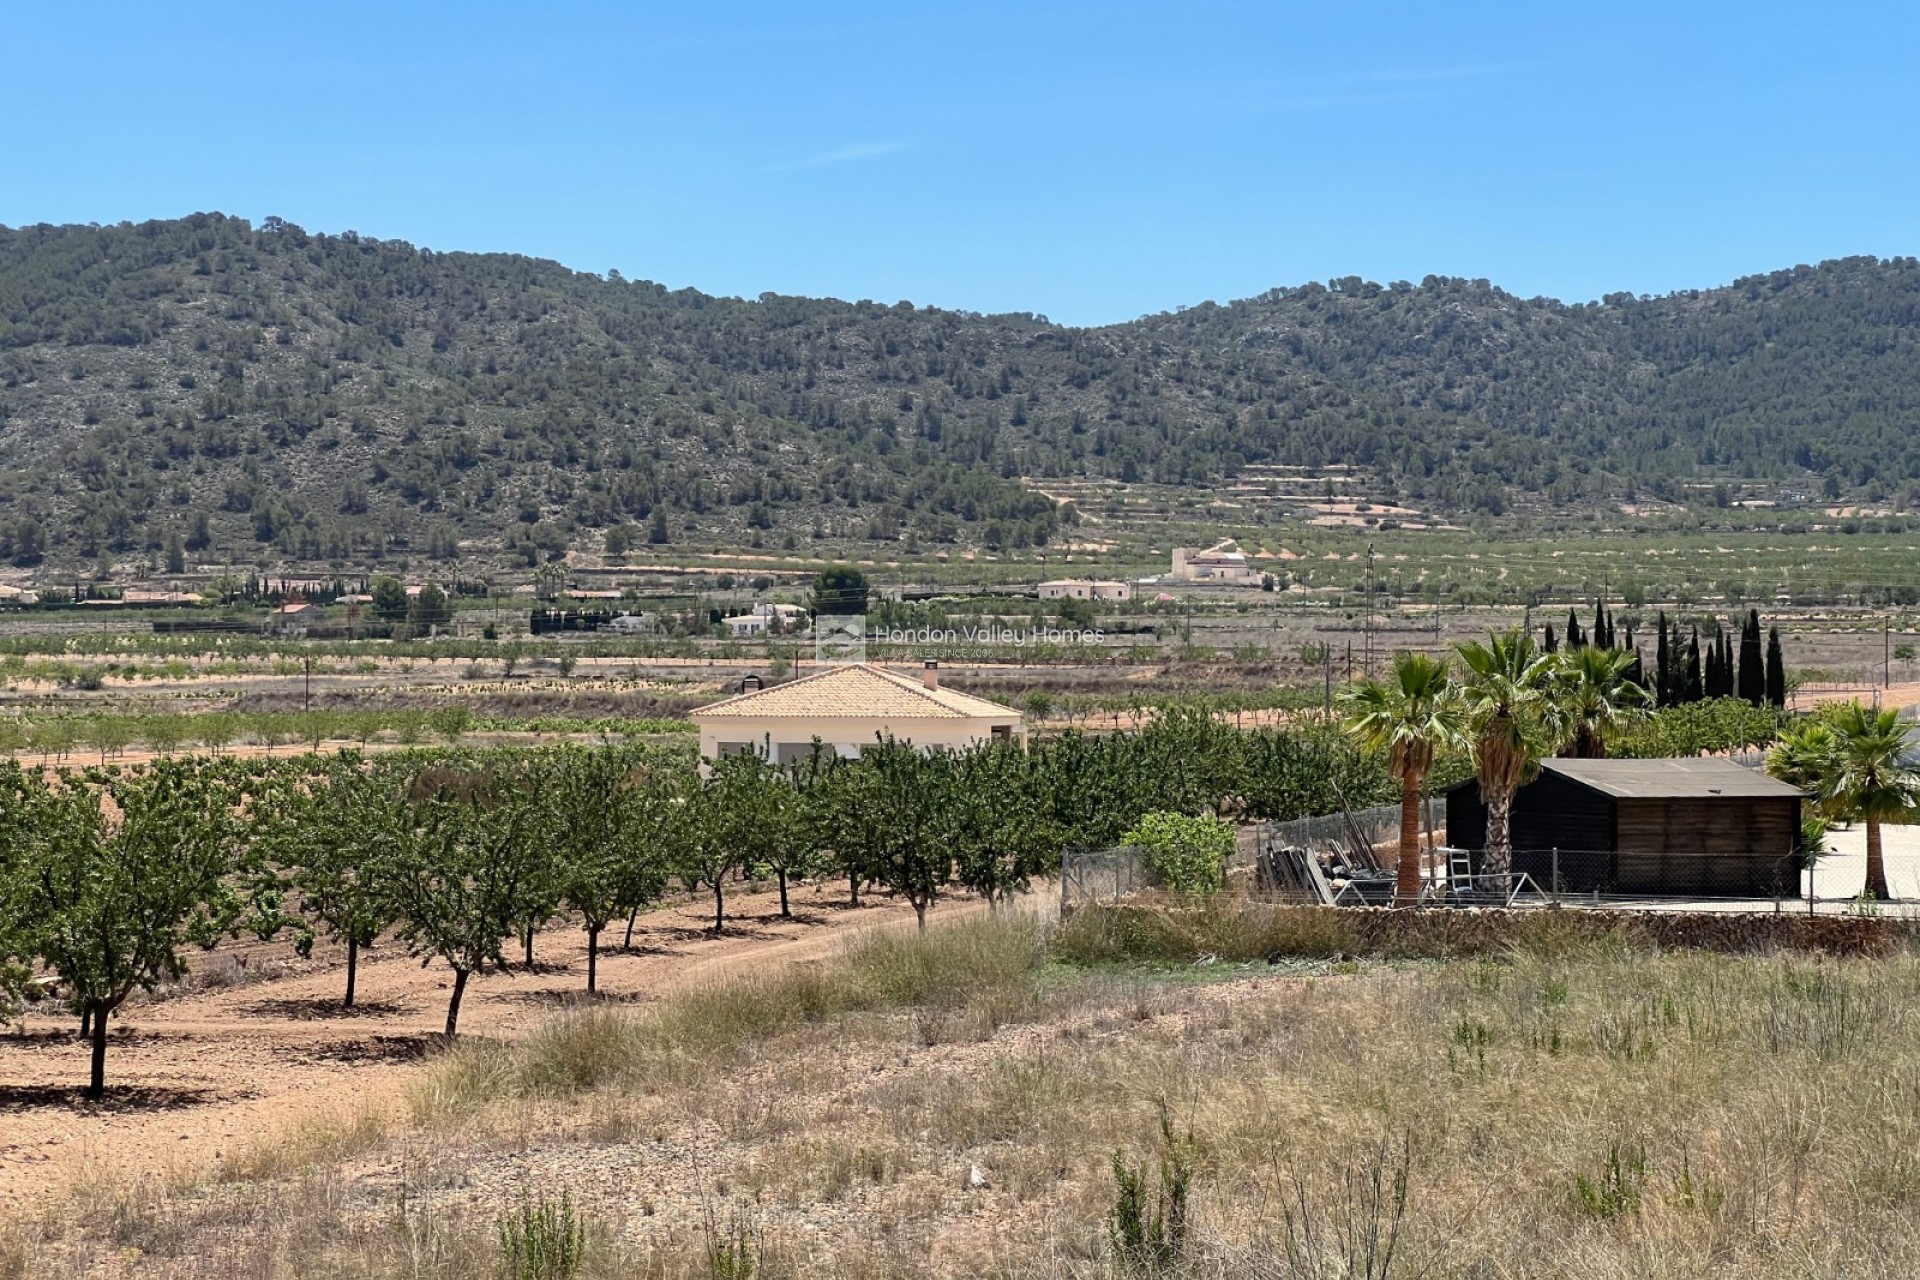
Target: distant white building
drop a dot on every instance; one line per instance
(294, 617)
(849, 708)
(780, 618)
(1085, 589)
(745, 625)
(1225, 568)
(629, 624)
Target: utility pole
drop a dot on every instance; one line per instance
(1886, 651)
(1369, 611)
(309, 666)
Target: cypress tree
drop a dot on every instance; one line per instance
(1753, 674)
(1600, 640)
(1549, 642)
(1663, 667)
(1574, 639)
(1776, 670)
(1693, 693)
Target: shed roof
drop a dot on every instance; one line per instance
(856, 690)
(1695, 777)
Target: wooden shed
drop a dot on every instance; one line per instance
(1679, 828)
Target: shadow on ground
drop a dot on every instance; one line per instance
(120, 1099)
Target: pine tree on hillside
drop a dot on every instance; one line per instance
(1753, 674)
(1776, 670)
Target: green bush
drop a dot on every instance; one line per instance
(543, 1241)
(1186, 854)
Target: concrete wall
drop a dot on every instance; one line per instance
(847, 735)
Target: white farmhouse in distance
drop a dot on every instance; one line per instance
(849, 708)
(1085, 589)
(1216, 565)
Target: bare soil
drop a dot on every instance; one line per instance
(256, 1040)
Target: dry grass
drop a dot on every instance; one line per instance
(1566, 1108)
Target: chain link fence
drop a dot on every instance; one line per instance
(1349, 859)
(1272, 860)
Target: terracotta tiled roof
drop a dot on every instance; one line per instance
(857, 690)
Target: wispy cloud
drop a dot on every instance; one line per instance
(852, 153)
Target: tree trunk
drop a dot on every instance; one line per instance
(786, 912)
(86, 1021)
(632, 916)
(353, 969)
(1498, 865)
(453, 1004)
(920, 914)
(1876, 864)
(97, 1077)
(593, 956)
(853, 888)
(1406, 888)
(719, 906)
(526, 938)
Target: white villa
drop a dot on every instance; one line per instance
(1085, 589)
(848, 708)
(1228, 568)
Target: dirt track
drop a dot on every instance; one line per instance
(199, 1076)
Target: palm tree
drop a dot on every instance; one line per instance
(1593, 698)
(1507, 713)
(1807, 755)
(1410, 716)
(1857, 772)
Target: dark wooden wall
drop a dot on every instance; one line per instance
(1713, 846)
(1542, 811)
(1718, 845)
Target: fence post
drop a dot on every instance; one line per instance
(1556, 873)
(1810, 894)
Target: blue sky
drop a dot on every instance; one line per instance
(1091, 162)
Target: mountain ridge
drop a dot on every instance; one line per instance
(336, 397)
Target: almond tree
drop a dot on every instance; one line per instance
(459, 883)
(1000, 825)
(707, 850)
(758, 810)
(22, 809)
(114, 891)
(606, 831)
(333, 834)
(892, 818)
